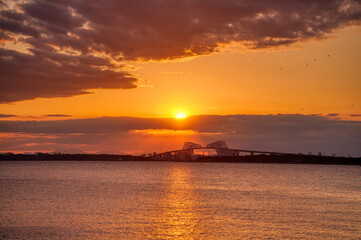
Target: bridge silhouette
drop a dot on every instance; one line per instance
(221, 148)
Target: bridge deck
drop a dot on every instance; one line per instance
(229, 149)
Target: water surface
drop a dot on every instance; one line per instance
(166, 200)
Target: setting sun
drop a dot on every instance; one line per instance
(180, 115)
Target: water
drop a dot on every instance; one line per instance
(165, 200)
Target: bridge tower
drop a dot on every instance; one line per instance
(188, 147)
(218, 145)
(222, 149)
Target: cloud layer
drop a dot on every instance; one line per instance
(287, 133)
(75, 45)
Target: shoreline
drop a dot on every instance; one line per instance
(287, 159)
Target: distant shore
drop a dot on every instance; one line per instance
(289, 159)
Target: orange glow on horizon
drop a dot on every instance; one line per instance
(165, 132)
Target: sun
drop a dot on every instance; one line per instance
(180, 115)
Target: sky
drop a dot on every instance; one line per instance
(110, 76)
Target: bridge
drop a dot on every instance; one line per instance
(221, 148)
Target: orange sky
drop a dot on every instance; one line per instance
(314, 77)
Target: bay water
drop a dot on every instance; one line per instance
(175, 200)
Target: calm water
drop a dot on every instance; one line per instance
(154, 200)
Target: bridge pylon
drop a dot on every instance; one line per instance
(190, 145)
(218, 144)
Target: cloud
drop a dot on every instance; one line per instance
(50, 69)
(75, 45)
(171, 29)
(50, 74)
(58, 115)
(91, 125)
(7, 115)
(284, 133)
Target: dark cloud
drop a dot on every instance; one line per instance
(91, 126)
(50, 74)
(17, 27)
(6, 115)
(53, 17)
(293, 124)
(58, 115)
(170, 29)
(51, 69)
(287, 133)
(75, 45)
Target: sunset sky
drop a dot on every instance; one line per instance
(110, 76)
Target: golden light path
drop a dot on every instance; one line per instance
(180, 218)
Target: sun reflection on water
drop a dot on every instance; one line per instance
(179, 207)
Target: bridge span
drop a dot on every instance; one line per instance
(221, 148)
